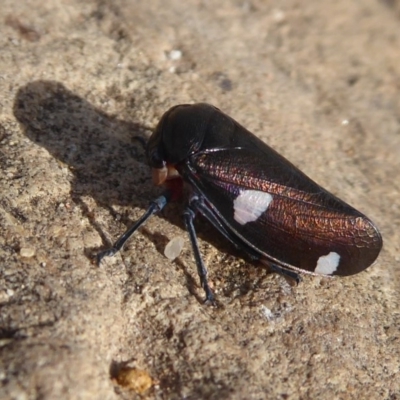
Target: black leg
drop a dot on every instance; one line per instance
(155, 206)
(198, 205)
(188, 217)
(285, 272)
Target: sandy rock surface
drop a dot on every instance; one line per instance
(318, 81)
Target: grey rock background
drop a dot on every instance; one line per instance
(318, 81)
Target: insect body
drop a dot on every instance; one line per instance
(256, 198)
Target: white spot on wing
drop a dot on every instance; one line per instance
(328, 264)
(249, 205)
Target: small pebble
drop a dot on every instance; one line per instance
(134, 379)
(174, 247)
(175, 55)
(27, 252)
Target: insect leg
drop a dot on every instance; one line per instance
(199, 205)
(188, 217)
(155, 206)
(285, 272)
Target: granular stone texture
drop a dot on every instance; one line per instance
(81, 85)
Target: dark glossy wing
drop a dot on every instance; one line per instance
(265, 201)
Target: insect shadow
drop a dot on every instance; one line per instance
(103, 152)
